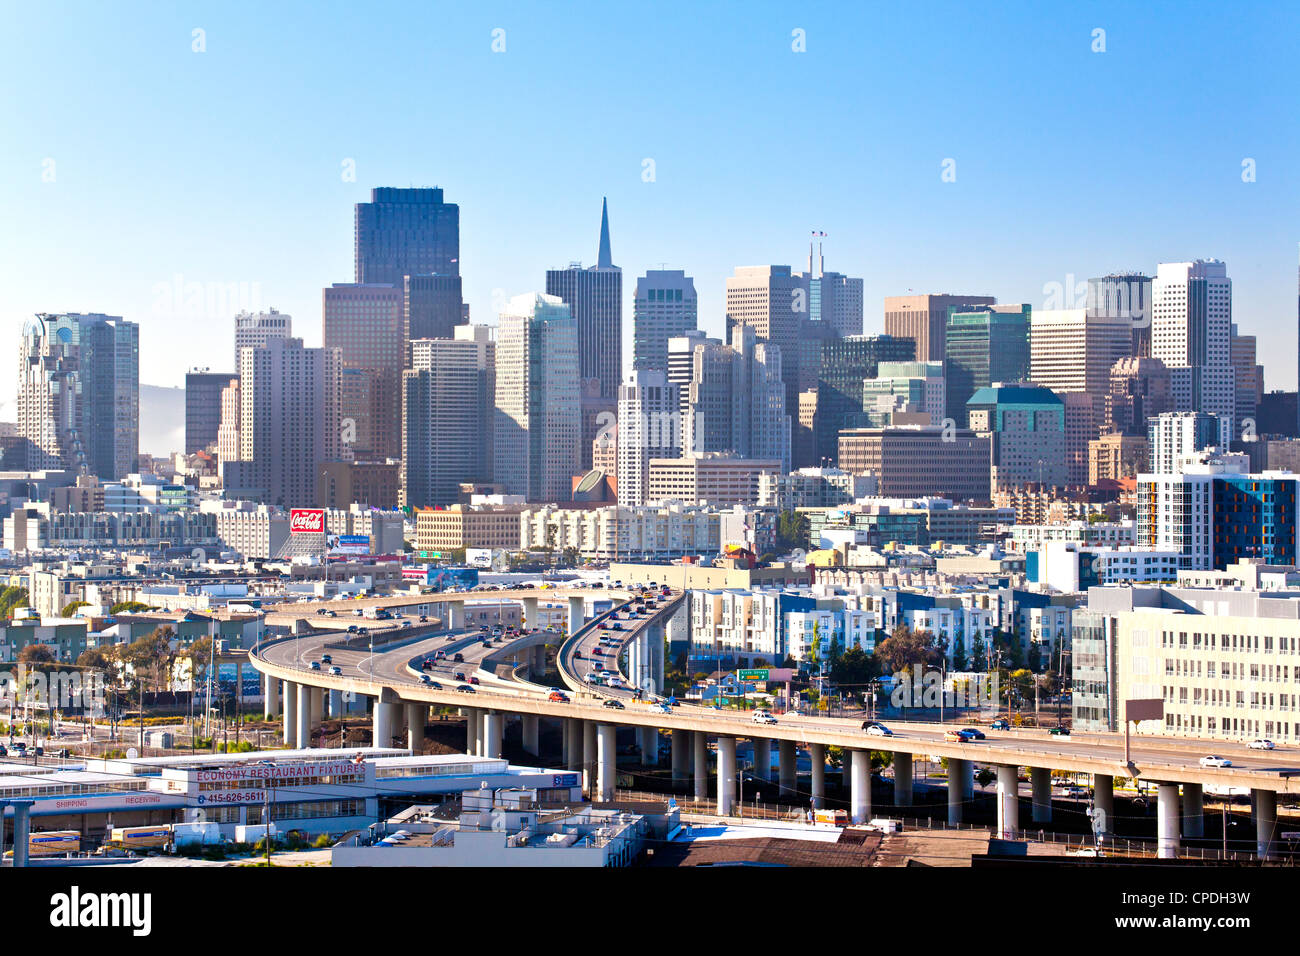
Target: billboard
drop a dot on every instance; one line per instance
(307, 521)
(351, 544)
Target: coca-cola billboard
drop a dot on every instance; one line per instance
(307, 521)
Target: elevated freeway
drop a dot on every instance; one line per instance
(633, 649)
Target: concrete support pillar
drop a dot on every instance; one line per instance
(415, 714)
(22, 830)
(902, 780)
(957, 770)
(382, 724)
(788, 769)
(303, 733)
(576, 614)
(1193, 810)
(1265, 802)
(817, 754)
(492, 726)
(530, 613)
(573, 727)
(289, 715)
(589, 746)
(649, 740)
(539, 659)
(1103, 801)
(1008, 802)
(271, 697)
(530, 731)
(565, 738)
(317, 710)
(606, 770)
(1167, 821)
(726, 775)
(763, 759)
(846, 772)
(681, 744)
(335, 703)
(1041, 783)
(473, 718)
(858, 763)
(700, 747)
(454, 615)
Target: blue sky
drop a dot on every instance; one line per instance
(225, 166)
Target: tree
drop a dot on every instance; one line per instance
(905, 648)
(959, 653)
(69, 610)
(37, 654)
(853, 668)
(978, 652)
(984, 777)
(198, 654)
(10, 598)
(128, 607)
(791, 530)
(93, 657)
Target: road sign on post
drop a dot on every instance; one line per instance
(756, 674)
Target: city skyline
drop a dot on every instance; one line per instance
(184, 196)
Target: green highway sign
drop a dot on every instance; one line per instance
(759, 674)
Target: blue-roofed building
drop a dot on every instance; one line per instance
(1026, 424)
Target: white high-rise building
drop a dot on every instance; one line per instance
(1173, 437)
(538, 422)
(1191, 332)
(255, 329)
(648, 428)
(289, 424)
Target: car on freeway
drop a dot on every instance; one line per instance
(1060, 731)
(1262, 744)
(4, 751)
(613, 704)
(879, 730)
(558, 696)
(762, 717)
(659, 707)
(326, 659)
(352, 628)
(607, 674)
(458, 675)
(972, 733)
(426, 664)
(577, 655)
(1213, 761)
(954, 736)
(458, 657)
(315, 665)
(591, 679)
(405, 623)
(424, 619)
(336, 671)
(1000, 724)
(465, 689)
(475, 681)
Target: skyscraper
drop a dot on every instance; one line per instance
(537, 416)
(648, 428)
(736, 400)
(1247, 377)
(255, 329)
(288, 421)
(79, 393)
(845, 365)
(1124, 295)
(432, 307)
(771, 300)
(1026, 424)
(1139, 390)
(448, 406)
(364, 322)
(665, 307)
(595, 300)
(406, 232)
(833, 297)
(983, 347)
(925, 317)
(1191, 332)
(203, 407)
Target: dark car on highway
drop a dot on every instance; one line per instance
(1060, 731)
(459, 657)
(465, 689)
(973, 734)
